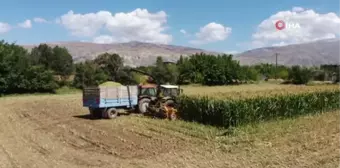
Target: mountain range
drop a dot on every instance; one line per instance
(134, 53)
(307, 54)
(140, 53)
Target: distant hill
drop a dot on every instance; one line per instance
(134, 53)
(308, 54)
(139, 53)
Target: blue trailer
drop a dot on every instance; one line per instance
(106, 101)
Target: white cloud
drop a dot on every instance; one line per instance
(297, 9)
(26, 24)
(183, 31)
(212, 32)
(313, 26)
(107, 39)
(231, 52)
(104, 39)
(282, 43)
(84, 25)
(138, 25)
(39, 20)
(4, 27)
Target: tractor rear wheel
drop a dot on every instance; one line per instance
(110, 113)
(143, 105)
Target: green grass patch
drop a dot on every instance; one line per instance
(67, 90)
(60, 91)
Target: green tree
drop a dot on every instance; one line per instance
(13, 63)
(186, 71)
(42, 55)
(62, 62)
(57, 59)
(89, 74)
(160, 71)
(215, 75)
(249, 73)
(38, 79)
(319, 75)
(18, 75)
(336, 74)
(111, 64)
(209, 69)
(172, 73)
(300, 75)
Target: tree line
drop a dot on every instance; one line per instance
(22, 71)
(46, 68)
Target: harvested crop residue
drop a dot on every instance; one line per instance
(55, 131)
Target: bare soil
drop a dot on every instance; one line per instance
(56, 131)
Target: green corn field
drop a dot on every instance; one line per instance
(235, 112)
(252, 90)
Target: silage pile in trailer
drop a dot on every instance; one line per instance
(235, 112)
(110, 83)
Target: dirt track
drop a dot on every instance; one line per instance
(56, 132)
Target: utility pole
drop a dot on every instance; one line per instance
(82, 80)
(276, 54)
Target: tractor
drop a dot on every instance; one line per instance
(155, 100)
(158, 100)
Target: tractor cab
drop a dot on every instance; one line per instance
(170, 91)
(147, 90)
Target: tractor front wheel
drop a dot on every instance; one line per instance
(173, 115)
(170, 110)
(170, 103)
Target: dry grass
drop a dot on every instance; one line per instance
(252, 90)
(309, 141)
(53, 131)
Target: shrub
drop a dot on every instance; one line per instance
(300, 75)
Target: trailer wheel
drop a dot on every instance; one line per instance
(143, 104)
(95, 113)
(110, 113)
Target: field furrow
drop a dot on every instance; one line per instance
(56, 131)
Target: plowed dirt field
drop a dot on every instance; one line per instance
(55, 131)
